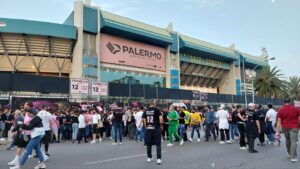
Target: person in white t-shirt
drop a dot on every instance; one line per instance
(139, 124)
(96, 120)
(222, 115)
(81, 126)
(270, 123)
(46, 120)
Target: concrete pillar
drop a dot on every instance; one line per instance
(168, 76)
(98, 42)
(76, 68)
(229, 84)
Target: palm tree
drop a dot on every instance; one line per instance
(293, 87)
(269, 83)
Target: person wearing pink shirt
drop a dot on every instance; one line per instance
(89, 123)
(54, 125)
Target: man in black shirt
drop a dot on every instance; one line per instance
(261, 117)
(8, 121)
(153, 122)
(117, 124)
(252, 126)
(164, 132)
(181, 123)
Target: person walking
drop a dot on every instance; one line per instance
(195, 124)
(37, 130)
(261, 112)
(222, 115)
(209, 122)
(288, 118)
(153, 122)
(234, 132)
(252, 127)
(46, 120)
(270, 124)
(173, 126)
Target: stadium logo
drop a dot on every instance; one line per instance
(113, 48)
(133, 51)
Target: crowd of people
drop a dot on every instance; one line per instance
(29, 128)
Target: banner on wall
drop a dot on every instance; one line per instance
(115, 50)
(99, 89)
(79, 86)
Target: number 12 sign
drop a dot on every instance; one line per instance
(99, 89)
(79, 86)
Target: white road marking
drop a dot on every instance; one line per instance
(120, 158)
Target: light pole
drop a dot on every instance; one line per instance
(252, 78)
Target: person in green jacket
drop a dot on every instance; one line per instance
(173, 124)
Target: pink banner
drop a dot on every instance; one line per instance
(121, 51)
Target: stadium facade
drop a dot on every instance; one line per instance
(97, 45)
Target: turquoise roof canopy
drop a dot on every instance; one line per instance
(38, 28)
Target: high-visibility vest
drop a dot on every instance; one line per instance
(187, 117)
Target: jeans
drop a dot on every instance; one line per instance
(137, 133)
(172, 131)
(68, 131)
(181, 130)
(195, 127)
(270, 132)
(88, 131)
(34, 143)
(233, 130)
(226, 131)
(118, 131)
(291, 136)
(210, 128)
(241, 127)
(81, 134)
(74, 131)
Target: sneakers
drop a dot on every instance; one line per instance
(169, 145)
(159, 161)
(181, 142)
(229, 142)
(198, 140)
(114, 144)
(93, 142)
(120, 143)
(13, 162)
(40, 166)
(46, 158)
(294, 160)
(222, 142)
(243, 148)
(253, 151)
(149, 160)
(100, 140)
(261, 144)
(15, 167)
(191, 140)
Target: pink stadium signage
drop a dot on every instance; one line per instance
(115, 50)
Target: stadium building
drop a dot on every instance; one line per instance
(136, 59)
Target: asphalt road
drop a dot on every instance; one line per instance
(130, 155)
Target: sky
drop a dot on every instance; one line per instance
(249, 24)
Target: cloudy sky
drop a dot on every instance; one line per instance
(249, 24)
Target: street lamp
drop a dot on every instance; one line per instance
(245, 86)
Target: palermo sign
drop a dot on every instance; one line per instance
(121, 51)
